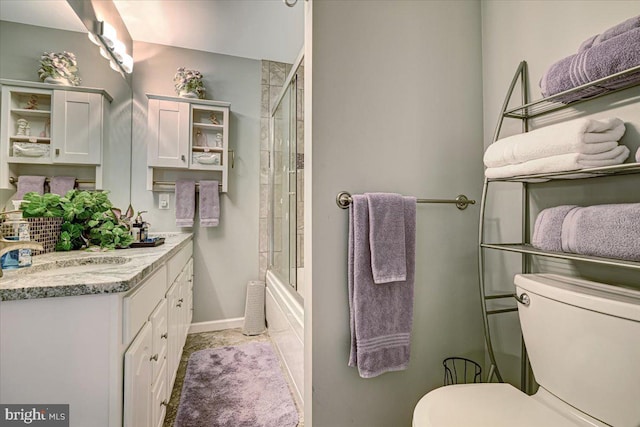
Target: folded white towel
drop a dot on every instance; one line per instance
(561, 163)
(584, 136)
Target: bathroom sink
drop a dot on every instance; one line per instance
(74, 266)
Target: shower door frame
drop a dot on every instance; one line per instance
(293, 249)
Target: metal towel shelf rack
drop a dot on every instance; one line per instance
(344, 199)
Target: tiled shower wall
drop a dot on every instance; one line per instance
(273, 78)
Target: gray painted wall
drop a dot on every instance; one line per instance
(396, 102)
(20, 49)
(225, 257)
(541, 33)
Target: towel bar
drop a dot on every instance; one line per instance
(172, 183)
(343, 200)
(13, 180)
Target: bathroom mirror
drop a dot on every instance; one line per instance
(29, 28)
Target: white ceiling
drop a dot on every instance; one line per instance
(257, 29)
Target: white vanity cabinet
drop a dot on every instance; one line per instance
(190, 134)
(152, 359)
(112, 357)
(49, 125)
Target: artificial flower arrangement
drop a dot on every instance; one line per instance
(61, 65)
(188, 83)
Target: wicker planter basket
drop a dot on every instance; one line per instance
(45, 231)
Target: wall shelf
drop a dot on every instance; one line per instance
(528, 110)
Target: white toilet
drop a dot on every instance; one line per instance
(583, 340)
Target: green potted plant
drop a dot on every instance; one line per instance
(188, 83)
(59, 68)
(88, 219)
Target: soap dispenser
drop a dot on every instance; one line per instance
(16, 228)
(140, 228)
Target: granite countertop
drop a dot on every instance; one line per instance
(113, 271)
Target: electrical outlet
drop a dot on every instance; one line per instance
(163, 201)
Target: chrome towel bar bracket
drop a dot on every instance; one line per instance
(344, 199)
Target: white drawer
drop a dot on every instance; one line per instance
(159, 336)
(139, 304)
(177, 263)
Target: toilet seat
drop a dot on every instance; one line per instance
(486, 405)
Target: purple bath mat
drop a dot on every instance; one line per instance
(238, 386)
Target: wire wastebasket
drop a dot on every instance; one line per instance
(458, 370)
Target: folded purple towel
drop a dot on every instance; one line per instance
(547, 231)
(610, 231)
(381, 315)
(618, 29)
(386, 237)
(62, 184)
(185, 202)
(29, 184)
(614, 55)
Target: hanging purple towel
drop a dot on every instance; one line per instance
(209, 204)
(28, 184)
(381, 315)
(62, 184)
(185, 202)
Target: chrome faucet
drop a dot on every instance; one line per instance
(12, 245)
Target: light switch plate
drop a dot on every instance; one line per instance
(163, 201)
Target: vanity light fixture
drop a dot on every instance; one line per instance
(111, 48)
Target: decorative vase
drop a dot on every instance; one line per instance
(185, 94)
(57, 81)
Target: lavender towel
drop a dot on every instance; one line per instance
(381, 315)
(610, 231)
(185, 202)
(28, 184)
(62, 184)
(547, 231)
(386, 237)
(209, 204)
(614, 31)
(614, 55)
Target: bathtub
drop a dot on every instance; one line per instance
(285, 322)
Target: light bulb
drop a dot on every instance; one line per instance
(93, 38)
(127, 63)
(104, 53)
(108, 34)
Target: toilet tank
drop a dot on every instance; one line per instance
(583, 341)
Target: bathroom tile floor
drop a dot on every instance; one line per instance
(201, 341)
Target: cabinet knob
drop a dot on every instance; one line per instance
(57, 151)
(164, 403)
(179, 304)
(181, 300)
(165, 335)
(183, 158)
(154, 357)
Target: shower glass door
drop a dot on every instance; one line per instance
(283, 217)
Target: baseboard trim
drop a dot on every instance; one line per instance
(216, 325)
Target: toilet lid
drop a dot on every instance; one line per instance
(485, 405)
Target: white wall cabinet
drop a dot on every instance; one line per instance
(190, 134)
(51, 125)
